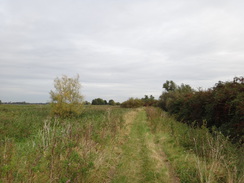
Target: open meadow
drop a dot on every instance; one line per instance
(111, 144)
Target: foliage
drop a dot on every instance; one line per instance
(135, 102)
(196, 154)
(132, 103)
(99, 101)
(221, 106)
(169, 86)
(66, 100)
(169, 99)
(149, 101)
(87, 103)
(111, 102)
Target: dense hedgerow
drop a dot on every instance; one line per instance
(221, 106)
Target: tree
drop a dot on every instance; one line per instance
(66, 100)
(87, 103)
(184, 88)
(170, 99)
(149, 101)
(111, 102)
(0, 102)
(99, 101)
(169, 86)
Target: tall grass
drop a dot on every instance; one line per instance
(19, 122)
(197, 154)
(55, 150)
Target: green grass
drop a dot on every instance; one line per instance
(111, 144)
(19, 122)
(137, 163)
(196, 154)
(38, 148)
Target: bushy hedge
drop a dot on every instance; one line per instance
(221, 106)
(132, 103)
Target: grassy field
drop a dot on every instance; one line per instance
(111, 144)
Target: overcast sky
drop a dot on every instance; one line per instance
(120, 48)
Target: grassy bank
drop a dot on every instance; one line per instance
(195, 154)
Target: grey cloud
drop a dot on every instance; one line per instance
(120, 49)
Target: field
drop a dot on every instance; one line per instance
(111, 144)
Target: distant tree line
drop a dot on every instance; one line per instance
(99, 101)
(221, 106)
(22, 103)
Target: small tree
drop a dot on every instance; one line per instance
(149, 101)
(66, 100)
(99, 101)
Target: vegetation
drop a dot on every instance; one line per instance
(111, 102)
(66, 100)
(196, 154)
(20, 122)
(149, 101)
(99, 101)
(133, 143)
(37, 148)
(135, 102)
(141, 159)
(132, 103)
(111, 144)
(221, 106)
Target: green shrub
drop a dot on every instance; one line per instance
(132, 103)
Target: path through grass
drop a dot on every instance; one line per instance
(141, 160)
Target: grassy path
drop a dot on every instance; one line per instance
(141, 159)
